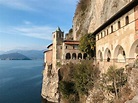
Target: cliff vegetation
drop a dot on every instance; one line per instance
(84, 83)
(76, 80)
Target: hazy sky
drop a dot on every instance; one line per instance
(28, 24)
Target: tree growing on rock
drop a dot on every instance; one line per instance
(114, 80)
(87, 44)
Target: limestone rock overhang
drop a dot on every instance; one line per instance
(120, 13)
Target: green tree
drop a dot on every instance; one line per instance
(115, 79)
(85, 75)
(87, 44)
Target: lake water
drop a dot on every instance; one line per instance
(21, 81)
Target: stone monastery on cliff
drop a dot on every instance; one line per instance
(116, 43)
(116, 40)
(62, 51)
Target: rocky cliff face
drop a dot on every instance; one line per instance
(133, 85)
(50, 86)
(90, 14)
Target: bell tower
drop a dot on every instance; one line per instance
(58, 37)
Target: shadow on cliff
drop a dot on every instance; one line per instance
(45, 101)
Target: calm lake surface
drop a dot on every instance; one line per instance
(21, 81)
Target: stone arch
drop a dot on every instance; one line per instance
(68, 56)
(134, 50)
(100, 55)
(84, 56)
(74, 56)
(119, 54)
(79, 56)
(107, 54)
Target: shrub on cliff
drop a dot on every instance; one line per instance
(67, 88)
(85, 75)
(114, 80)
(77, 79)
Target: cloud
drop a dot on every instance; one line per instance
(37, 5)
(40, 32)
(27, 22)
(17, 4)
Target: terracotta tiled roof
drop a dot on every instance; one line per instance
(71, 42)
(49, 45)
(47, 51)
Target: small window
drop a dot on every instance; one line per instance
(66, 47)
(101, 34)
(127, 20)
(73, 47)
(112, 29)
(104, 33)
(61, 47)
(119, 25)
(98, 37)
(107, 31)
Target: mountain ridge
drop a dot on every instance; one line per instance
(13, 56)
(32, 54)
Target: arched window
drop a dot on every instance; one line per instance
(74, 56)
(100, 56)
(119, 54)
(84, 56)
(134, 50)
(127, 20)
(68, 56)
(53, 36)
(79, 56)
(107, 55)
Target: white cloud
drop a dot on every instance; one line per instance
(41, 32)
(39, 5)
(17, 4)
(27, 22)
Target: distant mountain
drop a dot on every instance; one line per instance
(13, 56)
(32, 54)
(1, 52)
